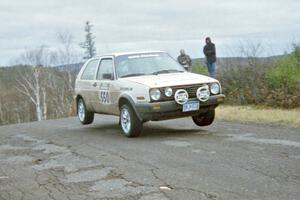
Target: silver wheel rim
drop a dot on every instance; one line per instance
(125, 120)
(81, 110)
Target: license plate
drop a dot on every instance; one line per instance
(191, 106)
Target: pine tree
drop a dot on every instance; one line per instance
(89, 44)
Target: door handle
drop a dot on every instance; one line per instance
(94, 84)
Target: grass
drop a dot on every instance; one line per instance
(259, 115)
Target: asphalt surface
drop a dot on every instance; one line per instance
(61, 159)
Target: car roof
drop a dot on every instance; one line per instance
(129, 53)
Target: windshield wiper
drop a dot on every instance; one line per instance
(166, 71)
(136, 74)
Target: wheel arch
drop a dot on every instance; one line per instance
(126, 99)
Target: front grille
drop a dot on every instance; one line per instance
(191, 89)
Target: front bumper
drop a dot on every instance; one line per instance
(170, 109)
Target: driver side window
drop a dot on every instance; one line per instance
(106, 71)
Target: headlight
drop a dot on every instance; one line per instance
(214, 88)
(155, 94)
(168, 91)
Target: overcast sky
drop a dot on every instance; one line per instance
(123, 25)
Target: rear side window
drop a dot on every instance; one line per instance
(90, 70)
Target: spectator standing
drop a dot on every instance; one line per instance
(185, 60)
(209, 51)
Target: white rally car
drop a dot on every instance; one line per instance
(144, 86)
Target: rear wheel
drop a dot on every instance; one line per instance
(84, 116)
(204, 119)
(130, 123)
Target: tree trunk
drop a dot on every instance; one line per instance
(38, 106)
(38, 112)
(44, 104)
(1, 114)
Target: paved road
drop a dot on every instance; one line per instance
(60, 159)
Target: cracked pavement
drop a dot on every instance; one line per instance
(61, 159)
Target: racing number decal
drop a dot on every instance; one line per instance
(104, 96)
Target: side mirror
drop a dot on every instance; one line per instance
(108, 76)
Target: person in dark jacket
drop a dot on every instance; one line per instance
(209, 51)
(185, 60)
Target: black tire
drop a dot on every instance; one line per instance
(204, 119)
(84, 116)
(135, 126)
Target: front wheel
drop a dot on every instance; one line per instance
(130, 123)
(204, 119)
(84, 116)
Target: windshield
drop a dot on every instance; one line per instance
(146, 64)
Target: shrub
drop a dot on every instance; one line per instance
(243, 84)
(199, 69)
(271, 82)
(284, 82)
(286, 75)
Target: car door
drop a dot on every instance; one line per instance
(104, 81)
(86, 83)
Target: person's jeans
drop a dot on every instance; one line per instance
(211, 69)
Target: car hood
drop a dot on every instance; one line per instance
(171, 79)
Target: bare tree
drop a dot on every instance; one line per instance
(243, 77)
(252, 51)
(32, 82)
(41, 91)
(46, 87)
(29, 85)
(66, 55)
